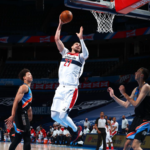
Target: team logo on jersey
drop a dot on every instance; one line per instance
(144, 133)
(64, 109)
(69, 57)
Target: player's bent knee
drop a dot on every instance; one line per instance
(136, 144)
(134, 147)
(54, 115)
(62, 115)
(127, 144)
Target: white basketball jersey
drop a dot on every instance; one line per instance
(71, 68)
(115, 124)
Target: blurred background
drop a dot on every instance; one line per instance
(27, 29)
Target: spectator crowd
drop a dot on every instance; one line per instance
(58, 134)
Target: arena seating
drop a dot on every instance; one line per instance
(98, 68)
(26, 20)
(127, 68)
(39, 70)
(50, 69)
(23, 19)
(74, 25)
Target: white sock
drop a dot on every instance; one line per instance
(112, 145)
(107, 145)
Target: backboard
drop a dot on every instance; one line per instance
(107, 7)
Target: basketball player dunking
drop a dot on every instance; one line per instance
(22, 112)
(140, 99)
(70, 70)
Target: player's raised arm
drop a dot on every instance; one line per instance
(119, 101)
(144, 92)
(59, 43)
(22, 90)
(85, 53)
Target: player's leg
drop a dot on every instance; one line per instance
(128, 144)
(141, 132)
(26, 138)
(107, 143)
(56, 107)
(16, 141)
(70, 98)
(111, 142)
(55, 116)
(67, 120)
(131, 133)
(136, 145)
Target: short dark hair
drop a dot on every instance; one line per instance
(145, 72)
(22, 73)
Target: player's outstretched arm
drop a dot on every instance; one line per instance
(119, 101)
(85, 53)
(59, 43)
(144, 92)
(22, 90)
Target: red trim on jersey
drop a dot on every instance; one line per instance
(129, 134)
(33, 132)
(74, 98)
(20, 130)
(44, 132)
(113, 133)
(26, 103)
(75, 54)
(8, 130)
(141, 125)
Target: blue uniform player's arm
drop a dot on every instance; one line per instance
(22, 90)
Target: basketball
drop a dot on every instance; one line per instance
(66, 16)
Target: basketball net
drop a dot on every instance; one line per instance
(104, 21)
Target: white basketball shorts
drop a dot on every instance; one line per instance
(108, 139)
(65, 98)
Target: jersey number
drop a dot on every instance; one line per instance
(67, 61)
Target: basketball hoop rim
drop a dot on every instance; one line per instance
(98, 11)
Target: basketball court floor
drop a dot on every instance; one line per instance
(5, 146)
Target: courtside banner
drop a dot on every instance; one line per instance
(91, 140)
(74, 38)
(118, 141)
(103, 84)
(146, 143)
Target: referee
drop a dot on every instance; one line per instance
(100, 127)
